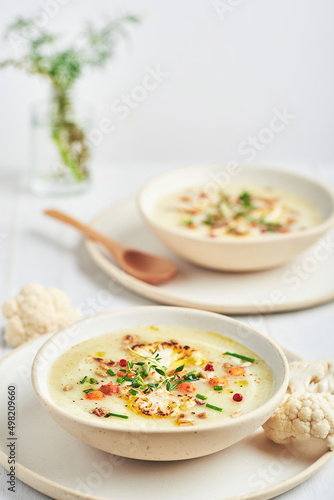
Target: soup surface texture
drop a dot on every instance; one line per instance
(159, 376)
(239, 211)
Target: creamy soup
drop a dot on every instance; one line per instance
(239, 211)
(159, 376)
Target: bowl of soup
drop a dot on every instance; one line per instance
(241, 219)
(160, 383)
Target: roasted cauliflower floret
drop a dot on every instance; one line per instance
(170, 352)
(159, 403)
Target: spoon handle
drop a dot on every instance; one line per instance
(114, 248)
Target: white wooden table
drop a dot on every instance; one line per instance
(35, 248)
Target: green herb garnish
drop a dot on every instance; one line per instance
(245, 199)
(83, 380)
(119, 380)
(92, 380)
(217, 408)
(240, 356)
(111, 373)
(88, 390)
(200, 396)
(116, 415)
(132, 391)
(218, 387)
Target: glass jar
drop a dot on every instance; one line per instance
(60, 154)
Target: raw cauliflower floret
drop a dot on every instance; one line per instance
(312, 376)
(302, 416)
(36, 310)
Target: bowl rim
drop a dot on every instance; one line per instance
(324, 226)
(47, 402)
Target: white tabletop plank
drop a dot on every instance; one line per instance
(36, 248)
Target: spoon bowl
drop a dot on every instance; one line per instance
(144, 266)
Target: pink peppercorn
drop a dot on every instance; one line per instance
(237, 397)
(209, 367)
(122, 362)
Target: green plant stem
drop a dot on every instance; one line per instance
(68, 136)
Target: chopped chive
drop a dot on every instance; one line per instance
(83, 380)
(119, 380)
(124, 371)
(89, 390)
(129, 364)
(218, 387)
(145, 372)
(128, 379)
(111, 373)
(240, 356)
(116, 415)
(217, 408)
(135, 384)
(92, 380)
(132, 391)
(200, 396)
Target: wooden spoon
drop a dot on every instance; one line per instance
(141, 265)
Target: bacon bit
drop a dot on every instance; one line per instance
(99, 412)
(237, 397)
(199, 402)
(129, 339)
(96, 395)
(203, 195)
(219, 381)
(98, 359)
(191, 226)
(122, 363)
(209, 367)
(236, 414)
(184, 198)
(236, 371)
(67, 387)
(186, 387)
(109, 389)
(202, 415)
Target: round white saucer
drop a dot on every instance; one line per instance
(303, 283)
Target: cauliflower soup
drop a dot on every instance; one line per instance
(159, 376)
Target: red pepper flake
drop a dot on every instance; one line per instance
(209, 367)
(237, 397)
(122, 362)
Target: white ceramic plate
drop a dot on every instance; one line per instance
(57, 464)
(303, 283)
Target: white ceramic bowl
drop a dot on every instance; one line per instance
(147, 443)
(237, 254)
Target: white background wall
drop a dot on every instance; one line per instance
(226, 75)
